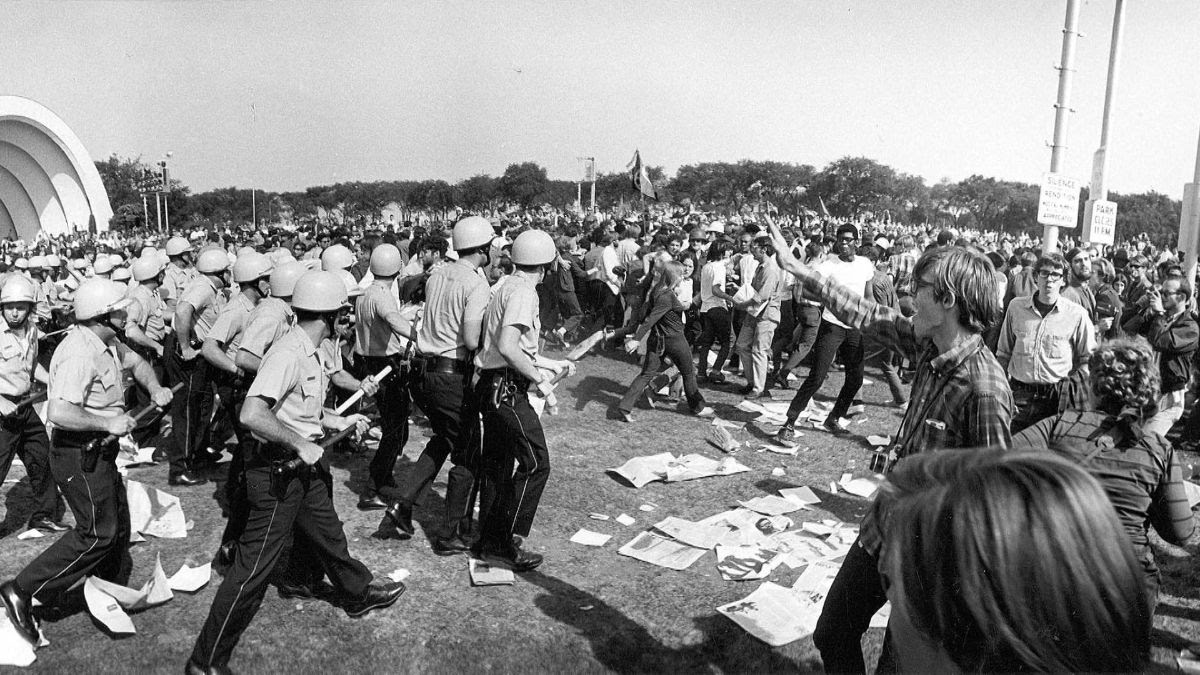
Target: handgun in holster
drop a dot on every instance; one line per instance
(95, 450)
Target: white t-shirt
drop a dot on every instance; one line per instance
(853, 275)
(712, 274)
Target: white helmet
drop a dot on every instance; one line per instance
(103, 265)
(96, 297)
(53, 261)
(533, 247)
(21, 264)
(212, 261)
(386, 261)
(178, 246)
(251, 267)
(116, 259)
(337, 257)
(472, 232)
(320, 292)
(352, 288)
(122, 274)
(147, 267)
(285, 276)
(18, 288)
(37, 262)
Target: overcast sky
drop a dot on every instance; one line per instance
(285, 95)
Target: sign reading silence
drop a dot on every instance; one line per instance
(1058, 203)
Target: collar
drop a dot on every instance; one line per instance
(1029, 302)
(29, 333)
(91, 339)
(953, 359)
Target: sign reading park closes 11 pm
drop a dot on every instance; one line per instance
(1058, 203)
(1103, 225)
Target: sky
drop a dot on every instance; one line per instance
(285, 95)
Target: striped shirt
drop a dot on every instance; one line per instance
(1139, 471)
(960, 398)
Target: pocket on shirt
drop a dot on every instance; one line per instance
(10, 351)
(311, 389)
(1055, 346)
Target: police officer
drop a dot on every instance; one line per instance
(510, 366)
(195, 313)
(22, 432)
(145, 332)
(456, 296)
(283, 409)
(382, 338)
(86, 397)
(180, 272)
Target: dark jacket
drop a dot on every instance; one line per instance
(1175, 340)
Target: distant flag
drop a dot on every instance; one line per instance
(824, 211)
(639, 178)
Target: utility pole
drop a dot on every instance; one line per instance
(1189, 224)
(1062, 108)
(254, 207)
(1099, 191)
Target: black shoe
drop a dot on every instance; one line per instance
(19, 611)
(834, 428)
(514, 557)
(378, 596)
(225, 555)
(186, 480)
(452, 545)
(781, 380)
(194, 668)
(396, 524)
(371, 501)
(47, 525)
(159, 455)
(745, 391)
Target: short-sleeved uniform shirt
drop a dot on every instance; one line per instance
(514, 303)
(18, 358)
(204, 297)
(452, 294)
(270, 320)
(86, 372)
(148, 311)
(294, 377)
(227, 329)
(372, 332)
(175, 279)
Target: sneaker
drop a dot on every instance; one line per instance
(706, 411)
(834, 427)
(626, 417)
(786, 433)
(716, 377)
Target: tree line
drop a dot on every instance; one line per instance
(850, 187)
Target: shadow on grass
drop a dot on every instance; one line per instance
(625, 646)
(592, 388)
(18, 506)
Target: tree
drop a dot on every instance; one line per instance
(121, 177)
(476, 192)
(853, 186)
(1152, 213)
(525, 184)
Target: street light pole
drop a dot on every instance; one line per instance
(1189, 224)
(1099, 191)
(1062, 108)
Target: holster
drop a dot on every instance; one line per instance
(97, 449)
(501, 387)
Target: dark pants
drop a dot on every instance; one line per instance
(1032, 403)
(607, 307)
(191, 408)
(455, 425)
(804, 335)
(676, 349)
(885, 358)
(99, 544)
(23, 434)
(717, 330)
(231, 392)
(393, 403)
(300, 500)
(832, 340)
(512, 435)
(856, 594)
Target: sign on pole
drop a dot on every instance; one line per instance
(1058, 203)
(1100, 223)
(589, 170)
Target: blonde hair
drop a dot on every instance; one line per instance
(1012, 562)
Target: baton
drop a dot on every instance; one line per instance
(378, 377)
(584, 347)
(295, 463)
(90, 448)
(52, 334)
(31, 399)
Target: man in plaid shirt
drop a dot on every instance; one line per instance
(960, 399)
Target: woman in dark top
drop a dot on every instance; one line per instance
(1138, 469)
(664, 326)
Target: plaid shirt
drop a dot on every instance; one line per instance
(960, 398)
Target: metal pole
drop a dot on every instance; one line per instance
(158, 207)
(593, 196)
(579, 194)
(1066, 73)
(166, 196)
(1099, 191)
(253, 208)
(145, 212)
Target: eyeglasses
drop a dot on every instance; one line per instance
(1133, 266)
(1047, 274)
(1164, 293)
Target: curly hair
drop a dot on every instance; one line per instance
(1124, 376)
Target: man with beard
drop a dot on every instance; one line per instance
(1079, 288)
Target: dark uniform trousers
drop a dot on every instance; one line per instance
(393, 403)
(99, 544)
(137, 398)
(301, 501)
(512, 434)
(440, 386)
(23, 434)
(231, 390)
(191, 408)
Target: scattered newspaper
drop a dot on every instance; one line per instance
(153, 512)
(484, 574)
(658, 550)
(746, 562)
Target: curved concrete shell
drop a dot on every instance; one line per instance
(48, 181)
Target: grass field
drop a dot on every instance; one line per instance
(584, 610)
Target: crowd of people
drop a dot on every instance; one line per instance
(1057, 385)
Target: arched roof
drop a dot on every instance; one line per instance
(48, 181)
